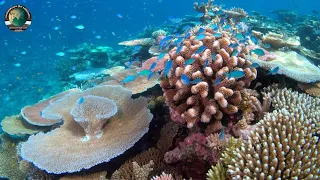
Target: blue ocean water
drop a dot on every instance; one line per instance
(36, 78)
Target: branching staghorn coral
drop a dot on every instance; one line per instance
(282, 146)
(208, 99)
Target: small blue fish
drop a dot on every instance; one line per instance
(41, 113)
(221, 135)
(258, 52)
(186, 28)
(187, 35)
(201, 49)
(217, 35)
(236, 74)
(196, 81)
(266, 45)
(120, 16)
(167, 67)
(178, 49)
(153, 65)
(150, 75)
(239, 36)
(227, 27)
(235, 53)
(200, 37)
(185, 79)
(161, 55)
(214, 27)
(178, 41)
(200, 15)
(217, 81)
(213, 57)
(254, 40)
(206, 64)
(128, 79)
(210, 13)
(189, 61)
(201, 30)
(255, 65)
(144, 72)
(80, 101)
(274, 71)
(177, 20)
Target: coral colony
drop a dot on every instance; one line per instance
(215, 101)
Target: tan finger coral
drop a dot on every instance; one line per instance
(283, 146)
(63, 149)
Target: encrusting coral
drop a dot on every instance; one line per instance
(94, 176)
(63, 149)
(213, 93)
(282, 146)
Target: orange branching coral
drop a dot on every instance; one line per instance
(64, 149)
(283, 146)
(210, 93)
(33, 114)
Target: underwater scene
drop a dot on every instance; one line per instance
(159, 90)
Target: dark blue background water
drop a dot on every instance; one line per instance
(41, 41)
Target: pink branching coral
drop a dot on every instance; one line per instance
(214, 94)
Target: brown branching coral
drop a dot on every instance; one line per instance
(282, 146)
(214, 94)
(236, 13)
(168, 132)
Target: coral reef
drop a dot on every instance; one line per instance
(139, 85)
(168, 132)
(282, 146)
(279, 41)
(292, 65)
(163, 176)
(313, 89)
(213, 94)
(9, 166)
(217, 172)
(33, 114)
(15, 125)
(138, 42)
(94, 176)
(65, 149)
